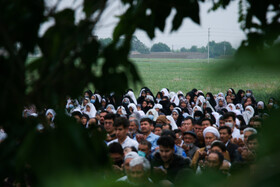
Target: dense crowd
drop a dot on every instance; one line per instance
(160, 138)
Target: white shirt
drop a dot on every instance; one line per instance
(128, 142)
(235, 133)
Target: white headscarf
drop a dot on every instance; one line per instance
(140, 94)
(217, 117)
(149, 97)
(248, 114)
(133, 106)
(122, 109)
(174, 98)
(200, 99)
(261, 103)
(230, 107)
(159, 106)
(240, 107)
(132, 96)
(154, 113)
(172, 122)
(92, 112)
(198, 109)
(98, 97)
(112, 108)
(165, 92)
(180, 92)
(52, 112)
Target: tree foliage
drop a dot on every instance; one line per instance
(137, 45)
(160, 47)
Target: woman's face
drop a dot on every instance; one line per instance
(204, 106)
(249, 101)
(150, 105)
(183, 105)
(85, 102)
(158, 96)
(86, 95)
(175, 115)
(119, 111)
(221, 103)
(144, 104)
(195, 98)
(188, 97)
(88, 109)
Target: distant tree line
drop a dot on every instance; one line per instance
(215, 50)
(136, 44)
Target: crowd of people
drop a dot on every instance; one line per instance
(160, 138)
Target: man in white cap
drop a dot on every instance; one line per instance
(128, 157)
(210, 134)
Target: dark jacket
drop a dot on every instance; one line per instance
(178, 163)
(232, 150)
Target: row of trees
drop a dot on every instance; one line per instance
(215, 50)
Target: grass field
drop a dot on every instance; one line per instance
(217, 76)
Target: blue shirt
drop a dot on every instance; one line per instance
(153, 139)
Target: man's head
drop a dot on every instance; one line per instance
(121, 127)
(222, 121)
(253, 142)
(210, 134)
(158, 130)
(218, 146)
(225, 134)
(133, 126)
(145, 147)
(206, 122)
(230, 119)
(109, 122)
(84, 119)
(77, 115)
(139, 170)
(189, 137)
(161, 120)
(215, 160)
(128, 157)
(257, 124)
(187, 124)
(166, 148)
(198, 129)
(166, 127)
(247, 132)
(116, 153)
(146, 125)
(103, 113)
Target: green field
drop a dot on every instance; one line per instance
(217, 76)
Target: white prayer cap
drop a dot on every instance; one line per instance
(131, 154)
(212, 130)
(159, 106)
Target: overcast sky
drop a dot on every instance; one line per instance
(223, 26)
